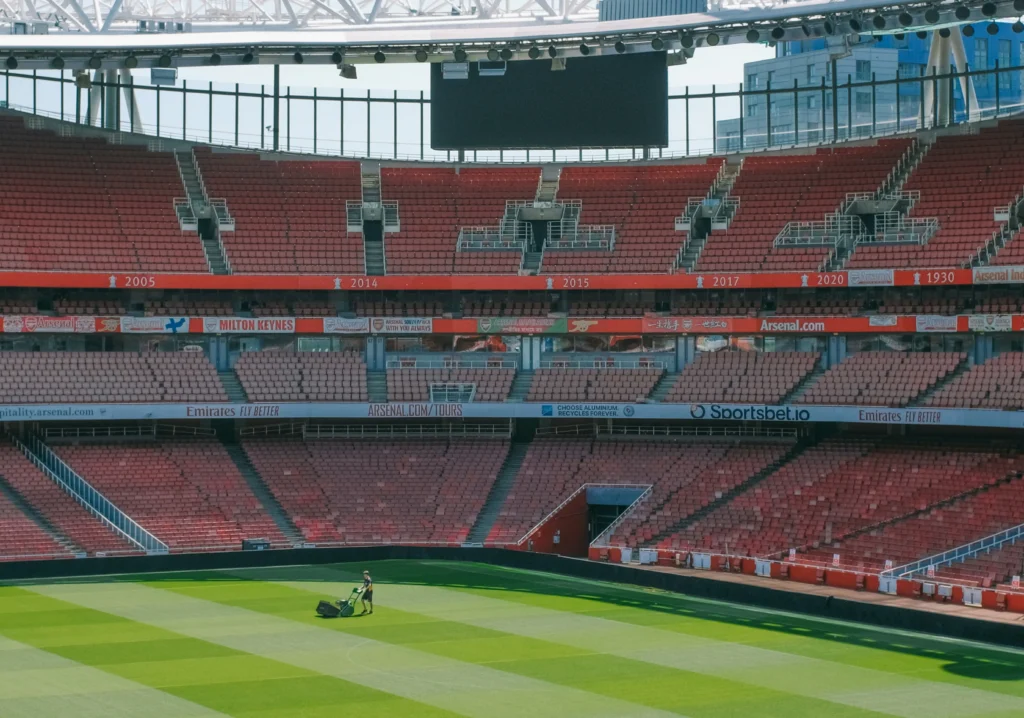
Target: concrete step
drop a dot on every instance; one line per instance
(498, 493)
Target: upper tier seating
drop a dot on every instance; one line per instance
(716, 304)
(370, 491)
(839, 487)
(942, 528)
(82, 530)
(996, 384)
(962, 179)
(882, 378)
(188, 493)
(89, 307)
(74, 204)
(102, 377)
(492, 384)
(642, 203)
(302, 376)
(435, 203)
(777, 189)
(394, 308)
(594, 385)
(496, 305)
(290, 216)
(742, 377)
(610, 308)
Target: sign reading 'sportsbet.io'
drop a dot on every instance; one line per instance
(748, 413)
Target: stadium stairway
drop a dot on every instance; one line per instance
(377, 387)
(233, 387)
(520, 386)
(660, 391)
(497, 495)
(263, 494)
(923, 398)
(12, 496)
(795, 450)
(803, 386)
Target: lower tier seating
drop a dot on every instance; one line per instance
(593, 385)
(993, 508)
(302, 376)
(414, 384)
(187, 493)
(843, 486)
(102, 377)
(554, 468)
(882, 378)
(742, 377)
(368, 491)
(79, 529)
(21, 537)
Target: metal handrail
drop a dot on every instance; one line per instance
(724, 431)
(82, 491)
(485, 362)
(601, 363)
(601, 540)
(87, 432)
(336, 431)
(571, 496)
(959, 553)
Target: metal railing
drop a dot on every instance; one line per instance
(468, 362)
(525, 537)
(959, 553)
(696, 431)
(896, 228)
(602, 363)
(567, 234)
(601, 540)
(115, 432)
(279, 118)
(452, 392)
(514, 237)
(82, 491)
(684, 222)
(826, 233)
(225, 222)
(389, 431)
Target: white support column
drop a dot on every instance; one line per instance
(95, 98)
(129, 98)
(966, 82)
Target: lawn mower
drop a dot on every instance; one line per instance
(344, 609)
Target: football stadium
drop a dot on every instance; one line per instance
(550, 358)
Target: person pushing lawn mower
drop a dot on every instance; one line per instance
(367, 596)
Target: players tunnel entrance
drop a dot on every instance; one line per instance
(587, 514)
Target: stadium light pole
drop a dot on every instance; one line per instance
(277, 106)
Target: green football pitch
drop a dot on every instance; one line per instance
(462, 639)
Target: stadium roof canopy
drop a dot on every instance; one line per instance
(111, 34)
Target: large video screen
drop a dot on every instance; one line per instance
(606, 101)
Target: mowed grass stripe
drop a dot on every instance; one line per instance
(994, 668)
(61, 659)
(854, 686)
(465, 688)
(36, 683)
(586, 669)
